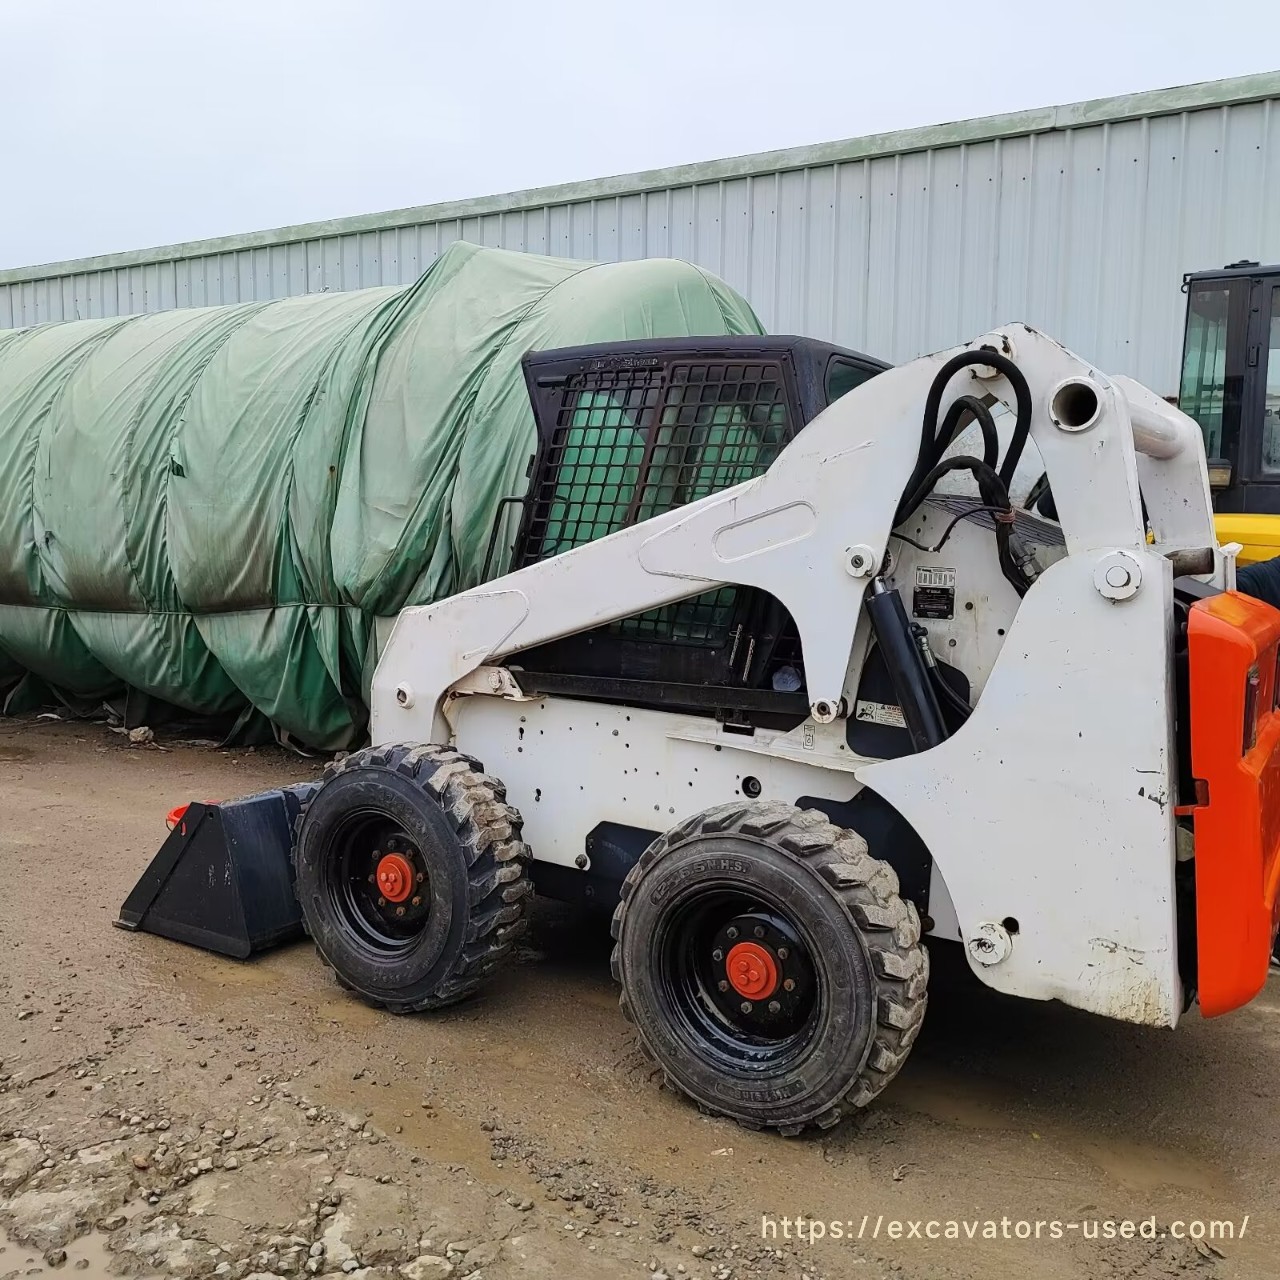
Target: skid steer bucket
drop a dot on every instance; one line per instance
(223, 880)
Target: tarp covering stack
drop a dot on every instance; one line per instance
(212, 506)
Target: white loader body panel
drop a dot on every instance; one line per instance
(1049, 814)
(1054, 803)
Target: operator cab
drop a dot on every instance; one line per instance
(1231, 382)
(627, 431)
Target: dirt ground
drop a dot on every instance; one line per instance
(167, 1112)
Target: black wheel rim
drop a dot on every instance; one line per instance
(758, 1018)
(386, 919)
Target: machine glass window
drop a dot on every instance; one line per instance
(1204, 364)
(843, 376)
(1271, 390)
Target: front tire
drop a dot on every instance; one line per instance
(411, 874)
(770, 965)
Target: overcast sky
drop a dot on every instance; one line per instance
(130, 123)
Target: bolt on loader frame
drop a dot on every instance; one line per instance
(789, 699)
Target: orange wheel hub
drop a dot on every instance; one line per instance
(752, 971)
(395, 877)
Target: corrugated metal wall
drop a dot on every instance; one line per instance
(1083, 231)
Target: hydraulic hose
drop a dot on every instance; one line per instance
(982, 416)
(993, 484)
(948, 695)
(995, 495)
(934, 440)
(990, 487)
(944, 692)
(919, 685)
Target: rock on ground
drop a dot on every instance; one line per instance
(156, 1244)
(428, 1266)
(372, 1225)
(19, 1159)
(50, 1219)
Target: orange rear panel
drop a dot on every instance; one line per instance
(1232, 641)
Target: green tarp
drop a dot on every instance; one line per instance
(212, 506)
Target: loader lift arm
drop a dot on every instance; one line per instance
(813, 530)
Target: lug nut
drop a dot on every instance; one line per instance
(372, 879)
(783, 952)
(759, 931)
(745, 1006)
(774, 1007)
(789, 984)
(399, 911)
(382, 902)
(723, 984)
(417, 902)
(421, 877)
(717, 954)
(731, 932)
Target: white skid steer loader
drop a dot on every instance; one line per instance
(790, 700)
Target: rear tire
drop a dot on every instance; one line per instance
(411, 875)
(770, 966)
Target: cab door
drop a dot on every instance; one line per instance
(1213, 374)
(1261, 407)
(1231, 387)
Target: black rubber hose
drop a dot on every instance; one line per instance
(1008, 565)
(993, 484)
(934, 442)
(1022, 424)
(994, 494)
(982, 416)
(949, 695)
(993, 491)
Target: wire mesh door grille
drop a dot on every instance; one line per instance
(631, 443)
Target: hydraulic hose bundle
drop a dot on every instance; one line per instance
(922, 691)
(993, 484)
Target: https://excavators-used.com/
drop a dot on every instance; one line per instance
(791, 672)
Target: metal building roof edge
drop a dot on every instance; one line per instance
(1130, 106)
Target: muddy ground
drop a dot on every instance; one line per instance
(167, 1112)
